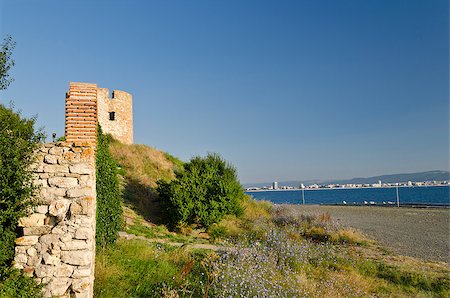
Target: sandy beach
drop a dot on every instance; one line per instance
(415, 232)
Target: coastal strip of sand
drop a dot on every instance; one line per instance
(415, 232)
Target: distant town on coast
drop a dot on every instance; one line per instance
(431, 178)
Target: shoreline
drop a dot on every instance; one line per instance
(346, 188)
(416, 232)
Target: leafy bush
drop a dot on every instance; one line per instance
(206, 191)
(109, 200)
(15, 284)
(18, 141)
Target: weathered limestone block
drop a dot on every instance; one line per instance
(87, 154)
(49, 239)
(37, 167)
(85, 294)
(45, 271)
(83, 206)
(40, 182)
(81, 168)
(21, 249)
(44, 175)
(21, 258)
(27, 240)
(34, 261)
(41, 209)
(86, 180)
(50, 193)
(51, 259)
(50, 168)
(78, 257)
(55, 150)
(81, 284)
(84, 233)
(31, 251)
(33, 220)
(57, 286)
(79, 192)
(66, 237)
(64, 271)
(45, 229)
(74, 245)
(82, 271)
(58, 230)
(43, 149)
(51, 159)
(59, 208)
(63, 182)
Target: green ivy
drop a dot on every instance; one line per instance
(203, 193)
(109, 197)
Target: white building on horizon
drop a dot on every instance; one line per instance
(275, 185)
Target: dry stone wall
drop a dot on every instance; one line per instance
(58, 243)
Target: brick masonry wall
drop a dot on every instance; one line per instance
(58, 243)
(81, 113)
(122, 104)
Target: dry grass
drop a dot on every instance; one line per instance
(143, 163)
(141, 167)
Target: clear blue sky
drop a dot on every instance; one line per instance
(284, 90)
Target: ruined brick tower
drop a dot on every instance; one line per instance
(114, 114)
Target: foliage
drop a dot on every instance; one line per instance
(18, 141)
(109, 200)
(17, 285)
(206, 191)
(138, 269)
(6, 62)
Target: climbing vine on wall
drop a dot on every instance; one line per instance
(109, 198)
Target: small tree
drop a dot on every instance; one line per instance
(18, 141)
(203, 193)
(6, 62)
(109, 198)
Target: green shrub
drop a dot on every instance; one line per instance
(18, 141)
(109, 199)
(203, 193)
(15, 284)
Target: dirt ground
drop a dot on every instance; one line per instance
(415, 232)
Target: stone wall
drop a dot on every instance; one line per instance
(58, 242)
(120, 103)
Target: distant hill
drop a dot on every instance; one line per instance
(391, 178)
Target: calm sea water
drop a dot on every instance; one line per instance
(435, 195)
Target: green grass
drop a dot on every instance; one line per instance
(139, 269)
(157, 232)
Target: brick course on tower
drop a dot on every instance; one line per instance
(81, 113)
(87, 105)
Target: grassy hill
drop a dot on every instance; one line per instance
(270, 251)
(141, 167)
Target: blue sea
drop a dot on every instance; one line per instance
(433, 195)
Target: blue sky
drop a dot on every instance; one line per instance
(284, 90)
